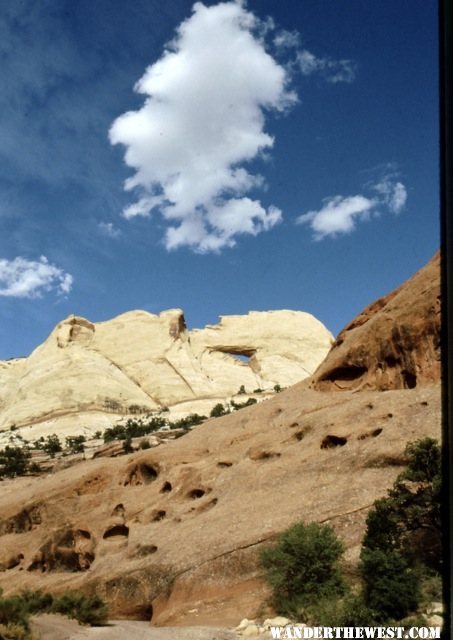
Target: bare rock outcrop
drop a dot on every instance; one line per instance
(392, 344)
(85, 375)
(172, 533)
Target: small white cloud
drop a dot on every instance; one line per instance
(393, 193)
(333, 71)
(203, 118)
(339, 215)
(22, 278)
(109, 229)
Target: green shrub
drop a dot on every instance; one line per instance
(13, 631)
(76, 444)
(86, 609)
(303, 566)
(134, 428)
(402, 547)
(52, 445)
(391, 587)
(144, 444)
(127, 446)
(218, 410)
(36, 601)
(240, 405)
(350, 611)
(14, 611)
(189, 421)
(409, 518)
(14, 461)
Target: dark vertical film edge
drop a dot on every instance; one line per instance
(446, 170)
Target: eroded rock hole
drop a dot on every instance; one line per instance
(268, 455)
(260, 455)
(242, 355)
(166, 487)
(195, 494)
(117, 531)
(370, 434)
(148, 472)
(146, 550)
(331, 441)
(223, 464)
(300, 435)
(410, 379)
(119, 510)
(158, 514)
(346, 374)
(142, 473)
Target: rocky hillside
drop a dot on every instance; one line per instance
(171, 534)
(86, 375)
(393, 344)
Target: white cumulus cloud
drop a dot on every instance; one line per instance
(202, 120)
(22, 278)
(340, 214)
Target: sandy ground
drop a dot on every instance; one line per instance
(54, 627)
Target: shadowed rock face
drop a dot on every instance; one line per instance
(393, 344)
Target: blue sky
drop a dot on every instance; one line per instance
(218, 157)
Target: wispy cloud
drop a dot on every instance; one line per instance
(393, 193)
(108, 229)
(22, 278)
(202, 121)
(333, 71)
(339, 215)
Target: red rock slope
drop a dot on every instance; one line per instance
(393, 344)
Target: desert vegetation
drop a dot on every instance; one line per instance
(400, 563)
(16, 458)
(15, 611)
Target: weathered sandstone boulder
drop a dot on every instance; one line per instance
(393, 344)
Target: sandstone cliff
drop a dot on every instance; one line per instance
(85, 375)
